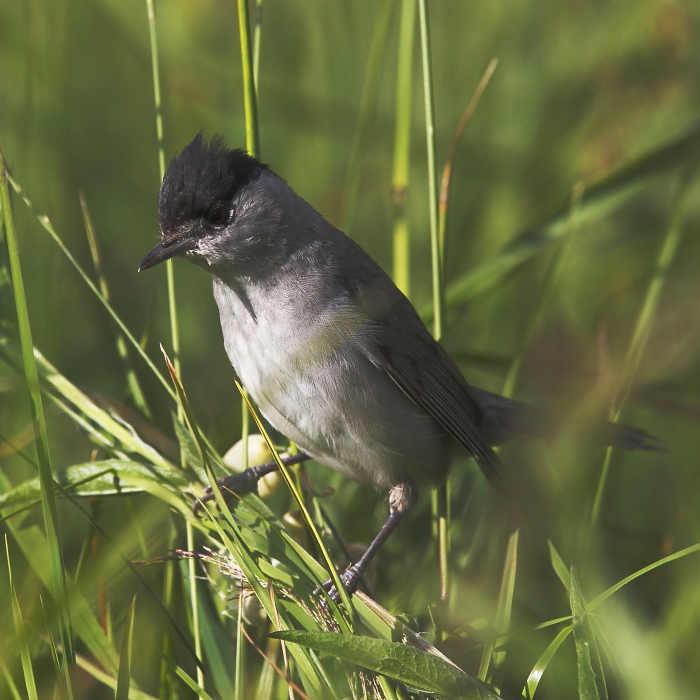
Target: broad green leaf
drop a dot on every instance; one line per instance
(104, 478)
(401, 662)
(558, 565)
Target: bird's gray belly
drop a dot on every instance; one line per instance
(334, 403)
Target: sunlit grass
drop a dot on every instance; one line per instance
(567, 250)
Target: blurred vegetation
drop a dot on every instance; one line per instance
(583, 91)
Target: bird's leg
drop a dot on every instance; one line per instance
(246, 481)
(401, 498)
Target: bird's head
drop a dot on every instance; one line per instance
(219, 207)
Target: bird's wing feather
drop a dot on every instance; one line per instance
(403, 348)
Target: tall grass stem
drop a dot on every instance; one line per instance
(48, 499)
(647, 313)
(402, 148)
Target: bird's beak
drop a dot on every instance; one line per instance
(164, 251)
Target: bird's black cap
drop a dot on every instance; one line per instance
(204, 176)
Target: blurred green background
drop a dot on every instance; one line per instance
(581, 88)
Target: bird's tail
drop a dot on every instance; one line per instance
(508, 419)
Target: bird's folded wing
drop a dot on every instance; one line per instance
(402, 347)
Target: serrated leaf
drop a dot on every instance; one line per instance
(401, 662)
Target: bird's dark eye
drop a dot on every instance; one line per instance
(219, 216)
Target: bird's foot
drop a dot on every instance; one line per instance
(350, 578)
(239, 484)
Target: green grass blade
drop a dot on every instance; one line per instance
(192, 684)
(115, 433)
(124, 673)
(21, 634)
(491, 658)
(42, 446)
(216, 638)
(257, 41)
(590, 677)
(48, 227)
(535, 676)
(440, 499)
(250, 102)
(602, 196)
(153, 43)
(550, 282)
(170, 272)
(240, 654)
(191, 589)
(647, 313)
(446, 178)
(560, 569)
(693, 549)
(429, 107)
(10, 682)
(109, 681)
(132, 381)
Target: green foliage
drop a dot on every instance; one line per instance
(413, 667)
(563, 266)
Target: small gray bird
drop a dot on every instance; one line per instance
(335, 356)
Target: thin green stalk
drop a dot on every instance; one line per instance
(165, 681)
(170, 274)
(252, 133)
(124, 673)
(257, 39)
(134, 387)
(647, 313)
(443, 535)
(452, 149)
(48, 227)
(194, 601)
(48, 499)
(439, 500)
(239, 674)
(21, 635)
(442, 498)
(153, 37)
(491, 656)
(435, 250)
(402, 148)
(250, 103)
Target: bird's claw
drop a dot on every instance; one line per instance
(350, 578)
(239, 484)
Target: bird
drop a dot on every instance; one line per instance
(334, 355)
